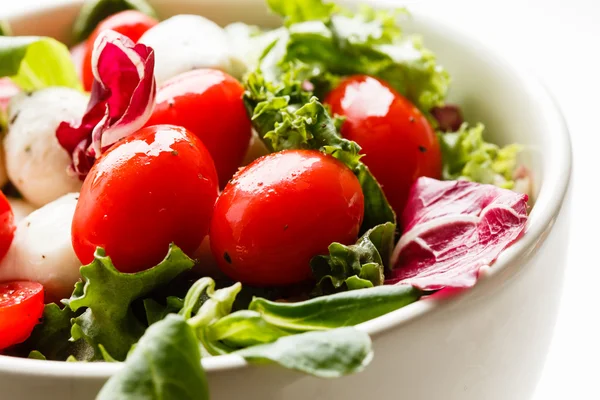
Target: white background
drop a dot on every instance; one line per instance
(560, 41)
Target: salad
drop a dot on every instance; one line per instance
(174, 190)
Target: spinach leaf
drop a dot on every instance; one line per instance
(244, 328)
(360, 265)
(106, 297)
(165, 364)
(330, 354)
(335, 310)
(35, 62)
(94, 11)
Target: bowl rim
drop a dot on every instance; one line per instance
(548, 205)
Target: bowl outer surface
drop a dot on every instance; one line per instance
(487, 343)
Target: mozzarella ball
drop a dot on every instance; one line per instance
(186, 42)
(42, 251)
(35, 161)
(20, 208)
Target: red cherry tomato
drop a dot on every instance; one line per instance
(155, 187)
(398, 142)
(209, 103)
(21, 307)
(279, 212)
(130, 23)
(7, 225)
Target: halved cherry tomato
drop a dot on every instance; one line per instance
(279, 212)
(398, 142)
(21, 307)
(7, 225)
(209, 103)
(130, 23)
(155, 187)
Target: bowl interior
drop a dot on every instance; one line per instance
(510, 102)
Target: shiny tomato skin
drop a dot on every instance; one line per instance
(21, 307)
(279, 212)
(398, 142)
(130, 23)
(208, 103)
(155, 187)
(7, 225)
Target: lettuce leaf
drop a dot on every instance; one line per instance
(106, 296)
(467, 156)
(302, 10)
(370, 42)
(94, 11)
(165, 364)
(358, 266)
(35, 62)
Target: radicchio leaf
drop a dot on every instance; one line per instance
(449, 117)
(452, 229)
(121, 101)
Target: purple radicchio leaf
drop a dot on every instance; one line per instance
(452, 230)
(448, 117)
(121, 101)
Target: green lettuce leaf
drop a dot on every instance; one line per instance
(466, 155)
(94, 11)
(165, 365)
(5, 29)
(302, 10)
(50, 338)
(331, 354)
(367, 42)
(107, 295)
(156, 311)
(335, 310)
(360, 265)
(34, 62)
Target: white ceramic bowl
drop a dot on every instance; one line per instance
(488, 343)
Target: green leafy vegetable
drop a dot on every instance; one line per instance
(5, 28)
(336, 310)
(369, 42)
(466, 155)
(156, 311)
(107, 295)
(302, 10)
(330, 354)
(244, 328)
(34, 62)
(94, 11)
(360, 265)
(36, 355)
(51, 338)
(165, 365)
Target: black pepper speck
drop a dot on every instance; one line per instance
(422, 149)
(227, 257)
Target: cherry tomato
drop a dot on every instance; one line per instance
(398, 142)
(279, 212)
(209, 103)
(155, 187)
(7, 225)
(130, 23)
(21, 307)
